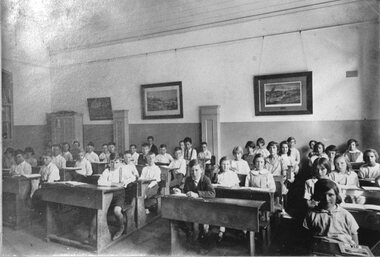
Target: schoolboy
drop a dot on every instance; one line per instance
(75, 150)
(104, 156)
(143, 160)
(205, 155)
(66, 152)
(58, 159)
(190, 152)
(135, 154)
(85, 167)
(153, 148)
(178, 168)
(22, 167)
(29, 156)
(91, 156)
(163, 158)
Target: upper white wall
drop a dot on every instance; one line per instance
(223, 73)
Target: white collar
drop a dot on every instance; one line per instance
(261, 172)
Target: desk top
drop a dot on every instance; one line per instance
(71, 168)
(81, 186)
(22, 177)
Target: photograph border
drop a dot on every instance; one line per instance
(259, 96)
(146, 87)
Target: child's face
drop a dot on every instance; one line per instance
(150, 141)
(226, 165)
(320, 149)
(261, 145)
(56, 151)
(127, 158)
(76, 145)
(340, 164)
(163, 150)
(81, 155)
(292, 143)
(19, 158)
(204, 148)
(311, 145)
(105, 148)
(331, 154)
(66, 147)
(188, 145)
(371, 158)
(196, 172)
(259, 163)
(90, 148)
(273, 150)
(28, 155)
(328, 199)
(352, 146)
(145, 150)
(46, 159)
(178, 154)
(238, 156)
(322, 172)
(115, 164)
(182, 145)
(250, 150)
(284, 148)
(111, 148)
(133, 149)
(150, 159)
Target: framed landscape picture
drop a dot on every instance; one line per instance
(162, 100)
(283, 94)
(100, 108)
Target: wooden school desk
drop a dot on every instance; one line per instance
(16, 192)
(66, 173)
(98, 167)
(230, 213)
(93, 199)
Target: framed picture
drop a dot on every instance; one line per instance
(283, 94)
(162, 100)
(100, 108)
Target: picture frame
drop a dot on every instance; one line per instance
(100, 108)
(283, 94)
(162, 100)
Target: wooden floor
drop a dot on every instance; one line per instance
(153, 239)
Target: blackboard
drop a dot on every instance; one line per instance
(100, 108)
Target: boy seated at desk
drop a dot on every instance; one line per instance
(143, 158)
(205, 155)
(91, 156)
(190, 152)
(196, 185)
(129, 165)
(135, 154)
(58, 159)
(178, 168)
(104, 156)
(118, 175)
(151, 172)
(49, 173)
(66, 152)
(8, 158)
(29, 156)
(85, 168)
(163, 158)
(21, 167)
(75, 150)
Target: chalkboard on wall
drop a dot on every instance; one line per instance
(100, 108)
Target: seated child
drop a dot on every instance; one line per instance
(328, 221)
(58, 159)
(135, 154)
(321, 169)
(273, 161)
(85, 165)
(226, 177)
(331, 152)
(163, 158)
(343, 173)
(22, 167)
(8, 158)
(112, 147)
(129, 165)
(205, 155)
(181, 145)
(197, 185)
(121, 175)
(311, 146)
(288, 164)
(319, 152)
(260, 177)
(151, 172)
(104, 156)
(91, 156)
(75, 150)
(152, 146)
(49, 173)
(178, 168)
(239, 165)
(371, 168)
(353, 154)
(66, 152)
(293, 150)
(260, 149)
(29, 156)
(190, 152)
(143, 158)
(249, 157)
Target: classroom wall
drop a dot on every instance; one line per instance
(216, 66)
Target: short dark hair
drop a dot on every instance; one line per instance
(112, 143)
(104, 144)
(19, 151)
(259, 141)
(193, 163)
(127, 152)
(257, 156)
(91, 144)
(57, 145)
(204, 143)
(312, 141)
(29, 149)
(224, 158)
(324, 185)
(331, 148)
(150, 137)
(133, 145)
(316, 146)
(163, 146)
(145, 145)
(76, 141)
(352, 140)
(177, 148)
(151, 153)
(250, 144)
(290, 139)
(187, 139)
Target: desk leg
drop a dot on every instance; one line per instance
(103, 235)
(251, 243)
(174, 237)
(51, 225)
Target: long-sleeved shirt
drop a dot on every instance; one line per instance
(152, 172)
(59, 161)
(203, 187)
(49, 173)
(124, 174)
(179, 165)
(240, 166)
(23, 168)
(85, 165)
(261, 179)
(228, 178)
(164, 158)
(92, 157)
